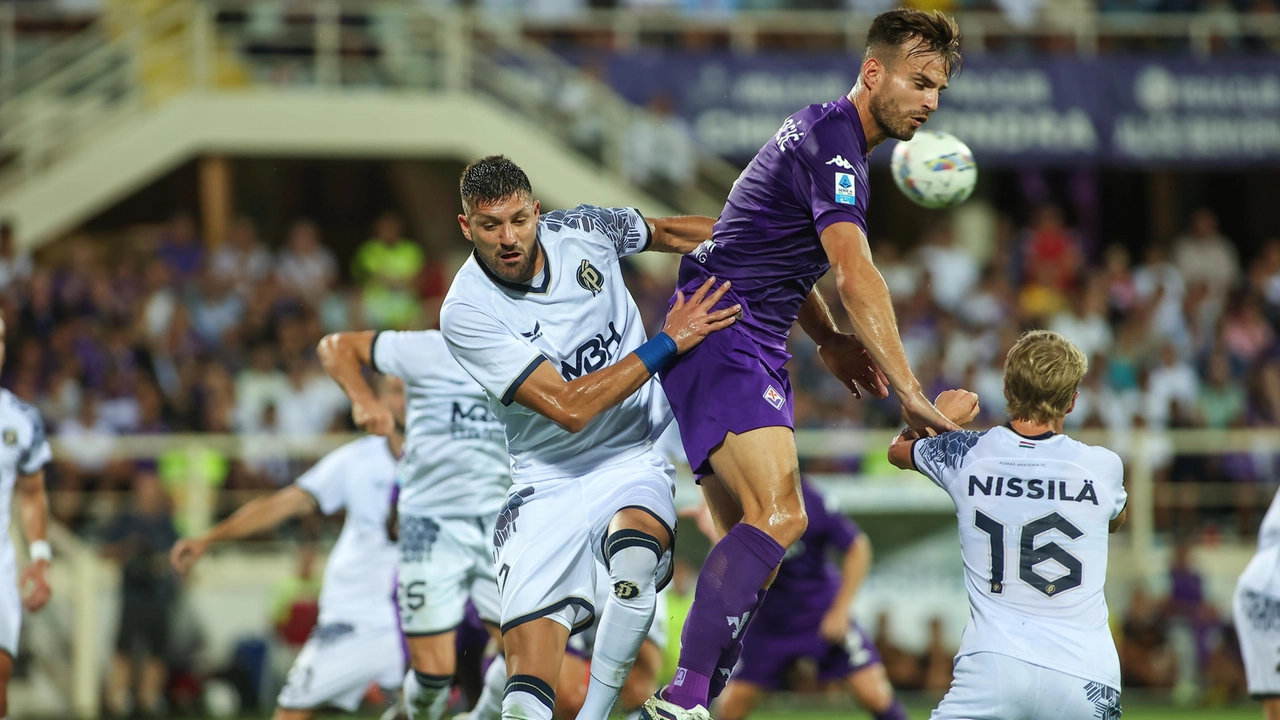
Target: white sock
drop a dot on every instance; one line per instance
(634, 714)
(489, 705)
(426, 696)
(527, 698)
(624, 623)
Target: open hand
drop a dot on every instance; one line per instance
(835, 625)
(40, 593)
(847, 359)
(690, 322)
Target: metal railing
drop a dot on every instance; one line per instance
(57, 101)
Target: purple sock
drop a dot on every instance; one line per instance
(727, 591)
(893, 712)
(729, 657)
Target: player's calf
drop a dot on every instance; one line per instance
(633, 551)
(872, 690)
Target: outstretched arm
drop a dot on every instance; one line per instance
(344, 356)
(33, 504)
(680, 234)
(574, 403)
(866, 298)
(256, 516)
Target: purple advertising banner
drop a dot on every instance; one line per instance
(1060, 111)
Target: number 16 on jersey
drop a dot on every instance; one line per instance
(1030, 555)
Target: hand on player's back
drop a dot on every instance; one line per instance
(690, 321)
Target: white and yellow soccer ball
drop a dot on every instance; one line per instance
(935, 169)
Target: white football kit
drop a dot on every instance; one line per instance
(1256, 609)
(578, 316)
(356, 640)
(24, 450)
(1034, 526)
(453, 480)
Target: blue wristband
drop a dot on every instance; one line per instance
(658, 353)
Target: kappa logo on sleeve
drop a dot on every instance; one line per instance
(840, 162)
(774, 398)
(846, 192)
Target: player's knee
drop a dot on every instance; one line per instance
(786, 526)
(633, 557)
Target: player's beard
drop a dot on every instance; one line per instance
(521, 273)
(895, 123)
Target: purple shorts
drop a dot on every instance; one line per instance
(767, 658)
(731, 383)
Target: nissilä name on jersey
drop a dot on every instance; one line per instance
(1032, 489)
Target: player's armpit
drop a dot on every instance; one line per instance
(681, 234)
(572, 405)
(1118, 520)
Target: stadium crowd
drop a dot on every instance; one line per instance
(165, 335)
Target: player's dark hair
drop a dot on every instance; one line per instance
(491, 179)
(914, 32)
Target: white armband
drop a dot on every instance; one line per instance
(41, 550)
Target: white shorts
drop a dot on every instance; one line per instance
(1256, 610)
(444, 561)
(990, 686)
(337, 665)
(10, 617)
(549, 537)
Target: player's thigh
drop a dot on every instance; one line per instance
(433, 576)
(545, 557)
(337, 665)
(760, 469)
(738, 700)
(434, 654)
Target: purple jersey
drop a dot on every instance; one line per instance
(811, 175)
(808, 581)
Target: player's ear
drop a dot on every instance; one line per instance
(537, 209)
(1072, 406)
(466, 228)
(871, 74)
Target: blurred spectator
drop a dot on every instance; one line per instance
(181, 249)
(902, 667)
(140, 542)
(1085, 322)
(1146, 661)
(1172, 387)
(1052, 254)
(1160, 287)
(1246, 333)
(215, 308)
(952, 271)
(660, 154)
(1204, 255)
(306, 267)
(901, 275)
(1222, 397)
(15, 265)
(242, 260)
(387, 267)
(938, 659)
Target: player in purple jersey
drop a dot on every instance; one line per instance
(798, 210)
(807, 617)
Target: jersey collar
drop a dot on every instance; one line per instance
(1041, 436)
(540, 284)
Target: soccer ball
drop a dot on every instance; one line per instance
(934, 169)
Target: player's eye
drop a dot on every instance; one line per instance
(489, 226)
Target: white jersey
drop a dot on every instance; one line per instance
(1034, 526)
(578, 316)
(24, 450)
(359, 577)
(455, 460)
(1269, 533)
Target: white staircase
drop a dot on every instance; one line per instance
(114, 107)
